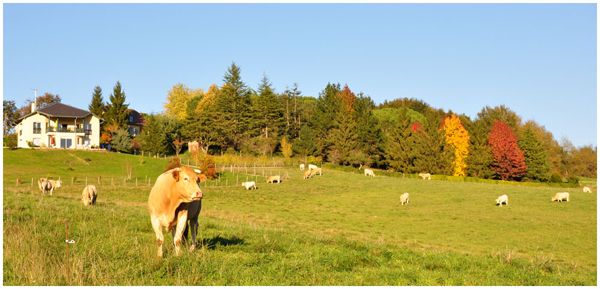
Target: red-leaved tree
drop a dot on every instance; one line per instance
(508, 159)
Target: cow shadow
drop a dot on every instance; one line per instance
(212, 243)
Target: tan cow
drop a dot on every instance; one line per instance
(48, 185)
(560, 197)
(404, 198)
(174, 200)
(425, 176)
(307, 174)
(369, 173)
(316, 171)
(587, 190)
(273, 179)
(89, 195)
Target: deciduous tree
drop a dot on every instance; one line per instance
(509, 162)
(458, 138)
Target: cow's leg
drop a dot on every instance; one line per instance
(181, 223)
(194, 230)
(160, 239)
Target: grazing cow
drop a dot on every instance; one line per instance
(404, 198)
(369, 173)
(307, 174)
(174, 200)
(560, 197)
(89, 195)
(502, 199)
(249, 185)
(316, 171)
(302, 166)
(273, 179)
(425, 176)
(48, 185)
(587, 190)
(312, 167)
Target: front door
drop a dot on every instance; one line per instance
(66, 142)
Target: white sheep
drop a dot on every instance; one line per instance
(249, 185)
(502, 199)
(369, 173)
(587, 190)
(404, 198)
(561, 196)
(425, 176)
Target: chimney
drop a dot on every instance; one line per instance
(32, 106)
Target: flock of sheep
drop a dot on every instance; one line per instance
(90, 192)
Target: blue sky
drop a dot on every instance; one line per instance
(540, 60)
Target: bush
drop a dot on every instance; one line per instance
(573, 180)
(207, 167)
(11, 141)
(173, 163)
(556, 178)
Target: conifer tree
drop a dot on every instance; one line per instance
(535, 156)
(117, 113)
(343, 137)
(97, 105)
(480, 153)
(269, 112)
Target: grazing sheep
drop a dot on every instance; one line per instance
(561, 196)
(312, 167)
(502, 199)
(89, 195)
(273, 179)
(307, 174)
(48, 185)
(425, 176)
(249, 185)
(587, 190)
(302, 166)
(404, 198)
(315, 171)
(369, 173)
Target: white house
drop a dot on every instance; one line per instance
(59, 126)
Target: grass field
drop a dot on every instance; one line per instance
(337, 229)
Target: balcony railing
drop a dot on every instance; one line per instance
(62, 129)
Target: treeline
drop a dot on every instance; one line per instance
(342, 127)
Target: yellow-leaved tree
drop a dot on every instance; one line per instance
(458, 138)
(177, 99)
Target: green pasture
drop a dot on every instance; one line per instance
(341, 228)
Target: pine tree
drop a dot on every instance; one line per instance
(306, 144)
(509, 162)
(535, 156)
(328, 107)
(117, 113)
(398, 145)
(343, 137)
(269, 112)
(97, 105)
(480, 159)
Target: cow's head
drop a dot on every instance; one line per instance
(188, 184)
(58, 183)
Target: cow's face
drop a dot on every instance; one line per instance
(188, 182)
(58, 183)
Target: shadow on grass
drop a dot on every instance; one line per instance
(212, 243)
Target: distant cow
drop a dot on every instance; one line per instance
(174, 200)
(425, 176)
(312, 167)
(89, 195)
(273, 179)
(316, 171)
(249, 185)
(46, 185)
(369, 173)
(587, 190)
(404, 198)
(560, 197)
(307, 174)
(502, 199)
(302, 166)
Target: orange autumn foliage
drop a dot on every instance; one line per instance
(458, 138)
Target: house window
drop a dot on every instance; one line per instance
(131, 130)
(135, 130)
(131, 118)
(37, 141)
(37, 127)
(87, 128)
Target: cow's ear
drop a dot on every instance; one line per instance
(176, 175)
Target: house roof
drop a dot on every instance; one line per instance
(58, 109)
(138, 118)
